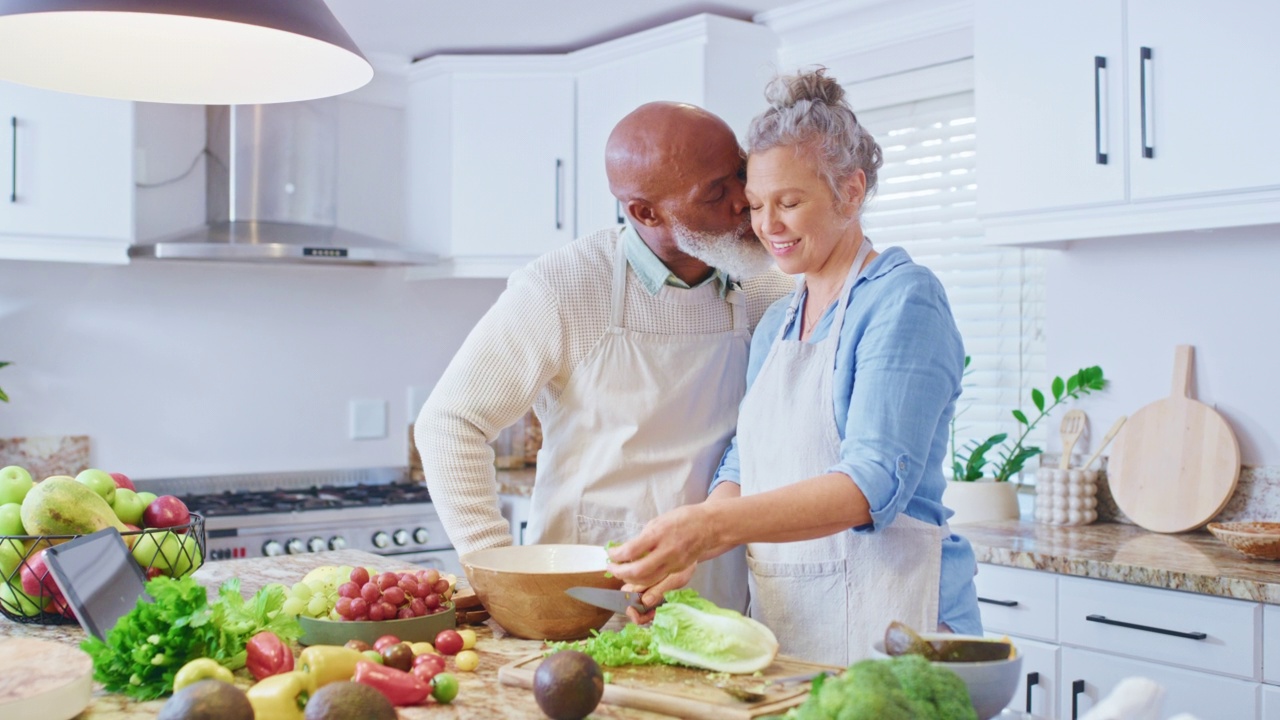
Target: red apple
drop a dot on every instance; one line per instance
(166, 511)
(123, 481)
(37, 579)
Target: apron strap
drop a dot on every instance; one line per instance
(737, 301)
(619, 285)
(843, 303)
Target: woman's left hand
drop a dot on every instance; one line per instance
(653, 594)
(669, 544)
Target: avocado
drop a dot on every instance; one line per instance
(349, 701)
(568, 685)
(207, 700)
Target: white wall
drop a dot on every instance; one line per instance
(1124, 303)
(179, 369)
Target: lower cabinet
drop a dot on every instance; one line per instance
(1270, 702)
(1089, 676)
(1038, 689)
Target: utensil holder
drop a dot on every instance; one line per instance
(1066, 497)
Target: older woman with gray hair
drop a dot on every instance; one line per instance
(834, 481)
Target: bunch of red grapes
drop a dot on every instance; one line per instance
(392, 595)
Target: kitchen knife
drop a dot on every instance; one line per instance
(615, 600)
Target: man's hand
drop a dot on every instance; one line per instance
(653, 595)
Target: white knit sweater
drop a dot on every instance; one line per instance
(522, 353)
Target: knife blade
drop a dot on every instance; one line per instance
(615, 600)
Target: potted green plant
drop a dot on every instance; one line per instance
(3, 396)
(980, 488)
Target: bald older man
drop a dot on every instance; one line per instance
(631, 346)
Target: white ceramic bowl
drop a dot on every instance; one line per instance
(991, 684)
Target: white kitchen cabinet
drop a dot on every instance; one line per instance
(67, 180)
(1089, 676)
(712, 62)
(1270, 703)
(1018, 602)
(1271, 644)
(491, 162)
(1038, 687)
(1121, 117)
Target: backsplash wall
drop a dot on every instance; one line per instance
(178, 369)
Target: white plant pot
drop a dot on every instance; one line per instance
(981, 501)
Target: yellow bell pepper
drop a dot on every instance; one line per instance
(201, 669)
(281, 697)
(329, 663)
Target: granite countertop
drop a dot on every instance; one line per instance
(480, 695)
(1192, 562)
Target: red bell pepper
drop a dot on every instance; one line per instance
(266, 655)
(400, 687)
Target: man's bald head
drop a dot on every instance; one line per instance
(654, 152)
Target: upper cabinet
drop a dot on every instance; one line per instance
(709, 61)
(1119, 117)
(491, 162)
(67, 178)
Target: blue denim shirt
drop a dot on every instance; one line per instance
(897, 377)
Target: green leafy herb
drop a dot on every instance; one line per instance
(632, 645)
(147, 646)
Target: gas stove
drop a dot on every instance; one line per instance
(376, 510)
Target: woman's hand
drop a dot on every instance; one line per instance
(669, 545)
(653, 595)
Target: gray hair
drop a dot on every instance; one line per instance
(808, 109)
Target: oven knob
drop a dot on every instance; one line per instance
(381, 539)
(401, 537)
(294, 546)
(271, 548)
(421, 536)
(317, 544)
(337, 542)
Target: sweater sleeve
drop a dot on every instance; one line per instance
(510, 355)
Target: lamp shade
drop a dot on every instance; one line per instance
(205, 52)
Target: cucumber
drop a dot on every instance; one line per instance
(62, 506)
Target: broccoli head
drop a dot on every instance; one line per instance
(902, 688)
(935, 691)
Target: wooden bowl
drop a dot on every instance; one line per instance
(1259, 540)
(522, 587)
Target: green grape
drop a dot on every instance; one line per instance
(294, 606)
(302, 591)
(317, 607)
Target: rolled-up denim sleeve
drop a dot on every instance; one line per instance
(906, 371)
(730, 469)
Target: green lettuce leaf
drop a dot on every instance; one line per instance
(693, 631)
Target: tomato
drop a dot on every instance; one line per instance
(425, 672)
(430, 660)
(384, 641)
(444, 687)
(468, 638)
(448, 642)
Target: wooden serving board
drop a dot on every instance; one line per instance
(687, 692)
(42, 679)
(1176, 461)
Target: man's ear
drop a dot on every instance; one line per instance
(643, 213)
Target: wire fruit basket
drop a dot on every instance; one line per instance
(29, 594)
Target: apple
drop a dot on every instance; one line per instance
(36, 578)
(147, 497)
(18, 602)
(11, 520)
(166, 511)
(167, 552)
(100, 482)
(11, 554)
(188, 557)
(123, 481)
(15, 482)
(127, 505)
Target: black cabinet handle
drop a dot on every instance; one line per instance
(1033, 679)
(1077, 687)
(1148, 628)
(1001, 603)
(1148, 146)
(1099, 95)
(559, 182)
(13, 178)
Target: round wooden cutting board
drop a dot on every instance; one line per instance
(1176, 462)
(42, 679)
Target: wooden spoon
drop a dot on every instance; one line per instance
(1073, 424)
(1105, 441)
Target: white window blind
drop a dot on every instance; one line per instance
(925, 203)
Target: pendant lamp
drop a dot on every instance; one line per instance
(204, 52)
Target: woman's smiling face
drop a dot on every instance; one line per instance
(793, 210)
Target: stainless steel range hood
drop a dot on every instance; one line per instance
(271, 193)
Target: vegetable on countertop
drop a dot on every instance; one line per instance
(201, 669)
(901, 688)
(145, 649)
(400, 687)
(329, 663)
(267, 655)
(281, 697)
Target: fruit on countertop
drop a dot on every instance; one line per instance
(281, 697)
(15, 483)
(100, 482)
(568, 685)
(329, 663)
(201, 669)
(166, 511)
(123, 481)
(266, 655)
(62, 506)
(208, 700)
(349, 701)
(346, 593)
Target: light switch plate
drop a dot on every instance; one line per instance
(368, 419)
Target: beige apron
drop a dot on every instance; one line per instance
(640, 430)
(829, 598)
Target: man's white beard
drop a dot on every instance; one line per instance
(738, 253)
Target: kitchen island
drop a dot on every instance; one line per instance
(480, 695)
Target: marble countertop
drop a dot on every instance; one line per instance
(480, 695)
(1192, 562)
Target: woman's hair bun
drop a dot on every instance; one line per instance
(813, 86)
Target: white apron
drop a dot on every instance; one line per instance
(829, 598)
(640, 430)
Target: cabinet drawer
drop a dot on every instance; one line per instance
(1040, 673)
(1195, 631)
(1018, 602)
(1087, 677)
(1271, 644)
(1270, 703)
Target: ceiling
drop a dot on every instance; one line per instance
(421, 28)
